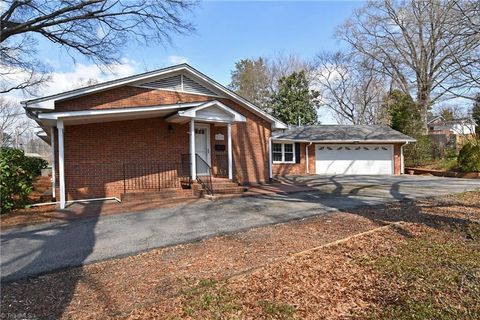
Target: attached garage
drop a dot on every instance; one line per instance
(354, 159)
(338, 150)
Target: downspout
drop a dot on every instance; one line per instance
(52, 160)
(270, 175)
(306, 156)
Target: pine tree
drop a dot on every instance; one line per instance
(405, 114)
(295, 103)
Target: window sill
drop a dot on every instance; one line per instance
(283, 162)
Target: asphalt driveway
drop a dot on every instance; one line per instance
(33, 250)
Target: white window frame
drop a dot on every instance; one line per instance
(283, 152)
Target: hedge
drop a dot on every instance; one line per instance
(17, 173)
(469, 158)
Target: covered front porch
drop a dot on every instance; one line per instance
(114, 152)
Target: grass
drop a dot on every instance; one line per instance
(277, 310)
(209, 300)
(438, 276)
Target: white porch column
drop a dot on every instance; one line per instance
(193, 171)
(52, 159)
(230, 160)
(61, 167)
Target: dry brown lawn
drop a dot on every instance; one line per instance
(422, 259)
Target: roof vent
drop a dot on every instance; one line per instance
(179, 83)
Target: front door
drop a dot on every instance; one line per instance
(202, 148)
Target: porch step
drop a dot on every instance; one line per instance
(230, 190)
(148, 195)
(220, 186)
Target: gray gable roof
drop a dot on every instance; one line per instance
(342, 133)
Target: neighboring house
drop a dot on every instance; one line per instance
(461, 126)
(175, 128)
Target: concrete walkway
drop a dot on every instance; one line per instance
(33, 250)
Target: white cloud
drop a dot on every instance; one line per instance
(81, 75)
(177, 59)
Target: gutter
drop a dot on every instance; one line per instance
(270, 160)
(344, 141)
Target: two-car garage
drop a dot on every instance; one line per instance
(339, 150)
(331, 159)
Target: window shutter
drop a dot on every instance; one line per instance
(297, 152)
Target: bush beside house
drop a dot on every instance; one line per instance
(469, 158)
(17, 173)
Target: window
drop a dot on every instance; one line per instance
(288, 152)
(283, 152)
(277, 152)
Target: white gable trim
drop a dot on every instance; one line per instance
(48, 102)
(193, 113)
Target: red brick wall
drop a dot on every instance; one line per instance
(397, 159)
(127, 96)
(282, 169)
(95, 153)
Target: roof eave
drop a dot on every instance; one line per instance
(344, 141)
(48, 102)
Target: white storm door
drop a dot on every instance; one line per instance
(202, 148)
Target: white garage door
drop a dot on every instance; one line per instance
(353, 159)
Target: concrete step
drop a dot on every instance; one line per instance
(221, 185)
(232, 190)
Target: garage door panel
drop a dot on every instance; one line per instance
(354, 159)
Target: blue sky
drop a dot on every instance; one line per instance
(228, 31)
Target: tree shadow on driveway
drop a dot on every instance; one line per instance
(44, 244)
(385, 205)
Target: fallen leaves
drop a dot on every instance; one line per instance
(255, 274)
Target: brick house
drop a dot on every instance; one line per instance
(177, 129)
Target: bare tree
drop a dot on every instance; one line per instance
(13, 123)
(282, 65)
(418, 44)
(350, 88)
(96, 29)
(468, 12)
(258, 79)
(251, 79)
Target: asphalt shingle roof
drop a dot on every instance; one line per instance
(341, 133)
